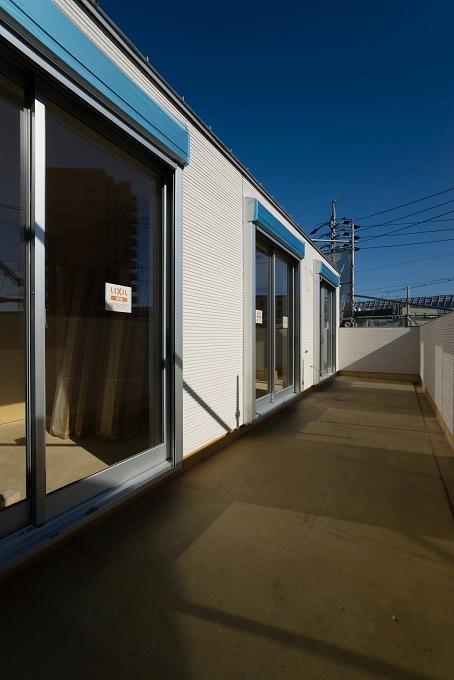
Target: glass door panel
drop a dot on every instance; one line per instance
(13, 449)
(283, 326)
(262, 323)
(104, 303)
(326, 330)
(274, 323)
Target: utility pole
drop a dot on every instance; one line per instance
(333, 224)
(352, 270)
(407, 319)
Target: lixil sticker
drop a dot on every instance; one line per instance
(118, 298)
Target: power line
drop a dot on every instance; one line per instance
(403, 205)
(395, 231)
(397, 264)
(397, 223)
(399, 174)
(404, 245)
(417, 212)
(421, 231)
(414, 284)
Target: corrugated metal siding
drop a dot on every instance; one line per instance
(379, 350)
(213, 193)
(437, 364)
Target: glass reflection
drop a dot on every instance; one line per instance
(283, 277)
(103, 368)
(262, 340)
(326, 329)
(13, 486)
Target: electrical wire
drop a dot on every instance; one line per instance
(399, 174)
(423, 231)
(397, 221)
(403, 205)
(395, 231)
(412, 284)
(416, 212)
(404, 245)
(398, 264)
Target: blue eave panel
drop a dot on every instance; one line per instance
(270, 224)
(55, 31)
(329, 275)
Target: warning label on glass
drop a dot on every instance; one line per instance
(118, 298)
(258, 316)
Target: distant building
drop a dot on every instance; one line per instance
(395, 312)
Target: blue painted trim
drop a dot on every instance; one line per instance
(264, 219)
(329, 275)
(54, 30)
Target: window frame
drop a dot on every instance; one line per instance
(332, 292)
(41, 79)
(274, 398)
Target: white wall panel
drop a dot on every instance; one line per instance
(212, 295)
(379, 350)
(437, 364)
(213, 291)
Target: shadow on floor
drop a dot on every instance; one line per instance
(320, 545)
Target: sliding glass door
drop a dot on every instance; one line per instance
(262, 322)
(85, 307)
(105, 384)
(283, 324)
(14, 458)
(274, 323)
(327, 329)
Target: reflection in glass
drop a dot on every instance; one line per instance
(262, 342)
(12, 309)
(283, 284)
(103, 368)
(326, 329)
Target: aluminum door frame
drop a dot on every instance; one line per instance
(268, 402)
(19, 525)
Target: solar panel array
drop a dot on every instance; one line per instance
(435, 301)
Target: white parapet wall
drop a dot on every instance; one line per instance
(379, 350)
(437, 365)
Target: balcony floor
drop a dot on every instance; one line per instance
(318, 546)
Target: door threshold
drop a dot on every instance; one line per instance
(275, 405)
(30, 541)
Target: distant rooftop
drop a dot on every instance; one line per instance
(436, 301)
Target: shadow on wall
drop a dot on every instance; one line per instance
(444, 386)
(211, 412)
(398, 355)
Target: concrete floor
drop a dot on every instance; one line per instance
(319, 546)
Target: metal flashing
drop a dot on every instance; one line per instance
(74, 50)
(262, 217)
(328, 275)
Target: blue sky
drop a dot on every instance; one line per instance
(322, 100)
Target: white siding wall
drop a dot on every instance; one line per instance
(213, 193)
(379, 350)
(212, 294)
(437, 365)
